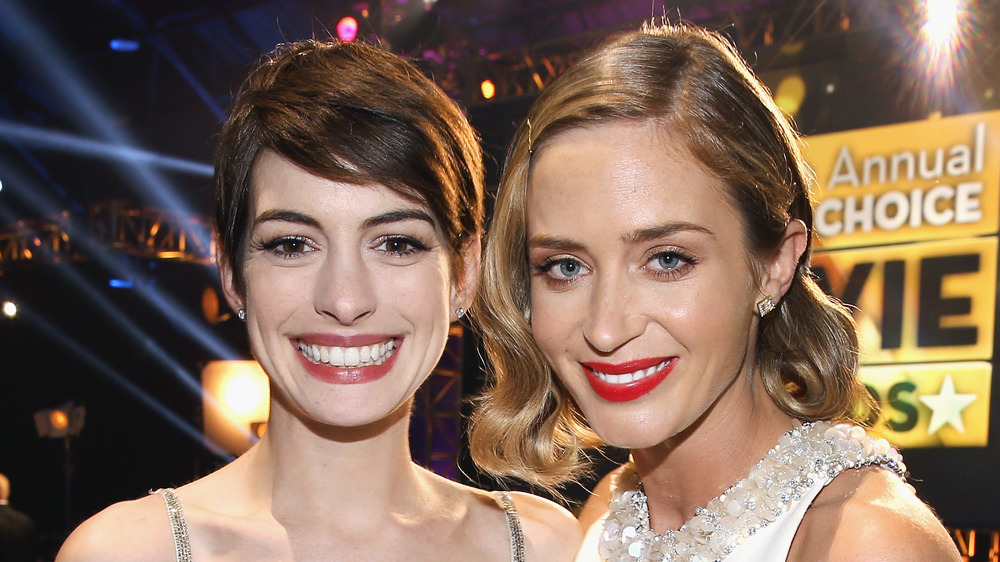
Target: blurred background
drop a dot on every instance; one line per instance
(109, 111)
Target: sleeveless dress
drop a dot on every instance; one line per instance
(182, 542)
(755, 519)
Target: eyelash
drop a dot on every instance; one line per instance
(413, 245)
(687, 262)
(544, 269)
(275, 246)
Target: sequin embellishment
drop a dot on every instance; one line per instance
(178, 526)
(808, 454)
(513, 527)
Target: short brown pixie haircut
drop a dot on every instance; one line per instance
(353, 113)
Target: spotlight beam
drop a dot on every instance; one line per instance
(54, 140)
(42, 57)
(121, 381)
(36, 199)
(168, 53)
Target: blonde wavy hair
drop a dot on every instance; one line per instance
(526, 424)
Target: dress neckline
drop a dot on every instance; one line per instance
(807, 455)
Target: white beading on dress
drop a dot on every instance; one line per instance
(755, 519)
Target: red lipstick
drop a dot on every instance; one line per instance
(609, 389)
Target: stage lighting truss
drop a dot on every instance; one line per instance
(33, 240)
(140, 231)
(753, 26)
(150, 232)
(435, 430)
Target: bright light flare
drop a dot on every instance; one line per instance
(59, 419)
(941, 22)
(939, 47)
(9, 309)
(347, 29)
(236, 399)
(488, 89)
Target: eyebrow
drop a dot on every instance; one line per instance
(656, 232)
(388, 217)
(398, 215)
(632, 237)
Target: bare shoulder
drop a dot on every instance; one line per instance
(870, 514)
(551, 533)
(130, 530)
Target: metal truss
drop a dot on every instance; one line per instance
(756, 28)
(435, 428)
(116, 225)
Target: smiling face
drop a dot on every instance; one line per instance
(348, 292)
(642, 295)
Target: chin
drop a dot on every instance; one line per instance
(635, 435)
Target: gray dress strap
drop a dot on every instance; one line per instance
(182, 542)
(513, 527)
(178, 525)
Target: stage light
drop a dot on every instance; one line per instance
(66, 420)
(241, 398)
(790, 94)
(124, 45)
(347, 29)
(87, 357)
(1, 185)
(59, 420)
(940, 21)
(488, 88)
(9, 309)
(120, 283)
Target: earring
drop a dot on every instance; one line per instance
(765, 306)
(460, 312)
(241, 314)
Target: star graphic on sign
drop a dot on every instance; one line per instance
(946, 406)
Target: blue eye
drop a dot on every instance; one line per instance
(568, 268)
(561, 270)
(668, 261)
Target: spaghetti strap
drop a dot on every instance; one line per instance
(178, 525)
(513, 527)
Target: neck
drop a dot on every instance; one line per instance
(719, 450)
(305, 472)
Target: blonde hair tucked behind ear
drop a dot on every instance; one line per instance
(526, 424)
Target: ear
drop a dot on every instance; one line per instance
(464, 287)
(233, 297)
(780, 269)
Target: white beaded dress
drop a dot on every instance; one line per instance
(754, 520)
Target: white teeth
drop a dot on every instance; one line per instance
(349, 356)
(630, 377)
(352, 357)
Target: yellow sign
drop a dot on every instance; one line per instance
(925, 180)
(931, 301)
(937, 405)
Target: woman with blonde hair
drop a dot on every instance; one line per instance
(646, 285)
(349, 206)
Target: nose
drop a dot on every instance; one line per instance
(615, 316)
(345, 288)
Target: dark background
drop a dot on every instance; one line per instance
(134, 364)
